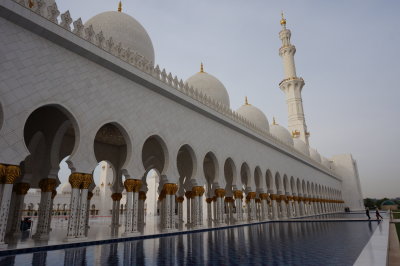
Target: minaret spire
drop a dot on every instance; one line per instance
(120, 6)
(292, 85)
(201, 68)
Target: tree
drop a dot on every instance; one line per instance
(369, 203)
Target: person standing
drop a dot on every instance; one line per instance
(378, 215)
(367, 213)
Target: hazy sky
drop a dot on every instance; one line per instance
(347, 53)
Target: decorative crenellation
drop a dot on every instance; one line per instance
(118, 196)
(140, 62)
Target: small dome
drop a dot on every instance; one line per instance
(301, 146)
(315, 155)
(125, 29)
(254, 115)
(388, 202)
(209, 85)
(66, 188)
(281, 133)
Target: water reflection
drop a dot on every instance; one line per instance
(281, 243)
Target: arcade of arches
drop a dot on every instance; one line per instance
(275, 196)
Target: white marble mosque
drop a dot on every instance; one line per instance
(91, 92)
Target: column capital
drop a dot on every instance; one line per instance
(142, 195)
(220, 192)
(117, 196)
(180, 199)
(189, 194)
(53, 193)
(89, 195)
(198, 191)
(47, 184)
(87, 181)
(9, 173)
(229, 199)
(238, 194)
(273, 196)
(76, 179)
(251, 195)
(133, 185)
(170, 188)
(263, 196)
(209, 200)
(21, 188)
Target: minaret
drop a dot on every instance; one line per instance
(292, 85)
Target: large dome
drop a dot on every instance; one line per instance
(315, 155)
(281, 133)
(254, 115)
(301, 146)
(209, 85)
(125, 29)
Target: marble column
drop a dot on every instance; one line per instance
(274, 205)
(132, 187)
(296, 205)
(238, 195)
(169, 207)
(284, 207)
(20, 190)
(75, 179)
(188, 195)
(209, 209)
(289, 204)
(214, 204)
(53, 195)
(264, 206)
(87, 181)
(301, 205)
(229, 207)
(89, 198)
(179, 202)
(197, 194)
(8, 175)
(116, 198)
(47, 186)
(220, 194)
(141, 210)
(251, 206)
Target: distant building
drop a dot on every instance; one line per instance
(389, 205)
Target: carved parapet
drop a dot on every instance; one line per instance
(21, 188)
(170, 188)
(180, 199)
(142, 195)
(47, 184)
(117, 196)
(198, 191)
(220, 192)
(89, 195)
(133, 185)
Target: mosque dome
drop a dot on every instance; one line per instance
(66, 188)
(388, 202)
(281, 133)
(125, 29)
(315, 155)
(301, 146)
(254, 115)
(209, 85)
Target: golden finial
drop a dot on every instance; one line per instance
(246, 102)
(201, 68)
(120, 6)
(283, 20)
(273, 121)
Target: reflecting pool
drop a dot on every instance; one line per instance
(280, 243)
